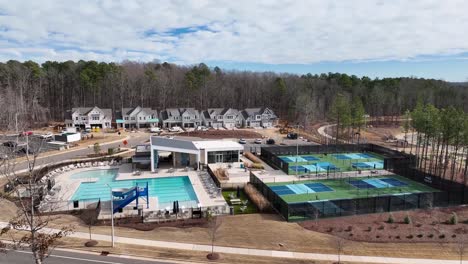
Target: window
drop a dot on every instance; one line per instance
(144, 118)
(225, 156)
(76, 204)
(258, 117)
(220, 117)
(76, 118)
(187, 117)
(140, 117)
(126, 118)
(230, 117)
(95, 117)
(133, 118)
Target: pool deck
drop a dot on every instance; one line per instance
(65, 186)
(126, 173)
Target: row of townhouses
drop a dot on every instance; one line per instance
(139, 117)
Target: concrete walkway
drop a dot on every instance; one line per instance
(254, 252)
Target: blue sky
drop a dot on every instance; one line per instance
(375, 38)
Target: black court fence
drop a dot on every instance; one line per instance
(391, 157)
(448, 193)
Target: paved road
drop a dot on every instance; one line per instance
(60, 257)
(134, 139)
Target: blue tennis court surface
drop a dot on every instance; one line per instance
(354, 156)
(376, 183)
(327, 166)
(368, 165)
(317, 167)
(290, 159)
(310, 158)
(394, 182)
(318, 187)
(300, 188)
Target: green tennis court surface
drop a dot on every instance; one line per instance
(320, 163)
(346, 188)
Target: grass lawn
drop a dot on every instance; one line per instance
(343, 190)
(250, 206)
(341, 164)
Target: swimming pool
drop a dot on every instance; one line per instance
(168, 189)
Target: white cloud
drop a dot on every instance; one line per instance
(274, 32)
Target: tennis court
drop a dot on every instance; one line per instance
(317, 163)
(300, 188)
(346, 188)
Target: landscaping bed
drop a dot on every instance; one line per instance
(250, 207)
(435, 226)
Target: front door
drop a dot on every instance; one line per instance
(219, 158)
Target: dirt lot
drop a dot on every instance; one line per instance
(265, 231)
(269, 231)
(220, 134)
(427, 226)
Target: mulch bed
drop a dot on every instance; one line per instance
(138, 225)
(427, 226)
(219, 134)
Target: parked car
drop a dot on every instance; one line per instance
(258, 141)
(10, 144)
(47, 136)
(201, 128)
(155, 130)
(26, 133)
(270, 141)
(242, 141)
(292, 135)
(175, 129)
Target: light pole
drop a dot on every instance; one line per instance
(297, 145)
(112, 214)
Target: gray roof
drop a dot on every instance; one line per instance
(173, 143)
(143, 148)
(85, 110)
(130, 111)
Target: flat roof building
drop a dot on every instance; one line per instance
(186, 152)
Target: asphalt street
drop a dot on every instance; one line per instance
(137, 138)
(60, 257)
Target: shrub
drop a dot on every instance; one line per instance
(409, 236)
(390, 219)
(442, 236)
(110, 151)
(453, 219)
(252, 157)
(258, 166)
(97, 148)
(407, 219)
(221, 174)
(257, 198)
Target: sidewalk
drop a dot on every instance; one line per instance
(255, 252)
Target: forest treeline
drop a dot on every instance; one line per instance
(43, 92)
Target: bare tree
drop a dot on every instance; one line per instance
(25, 190)
(214, 223)
(460, 247)
(339, 244)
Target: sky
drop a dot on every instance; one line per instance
(375, 38)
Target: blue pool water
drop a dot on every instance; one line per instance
(167, 189)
